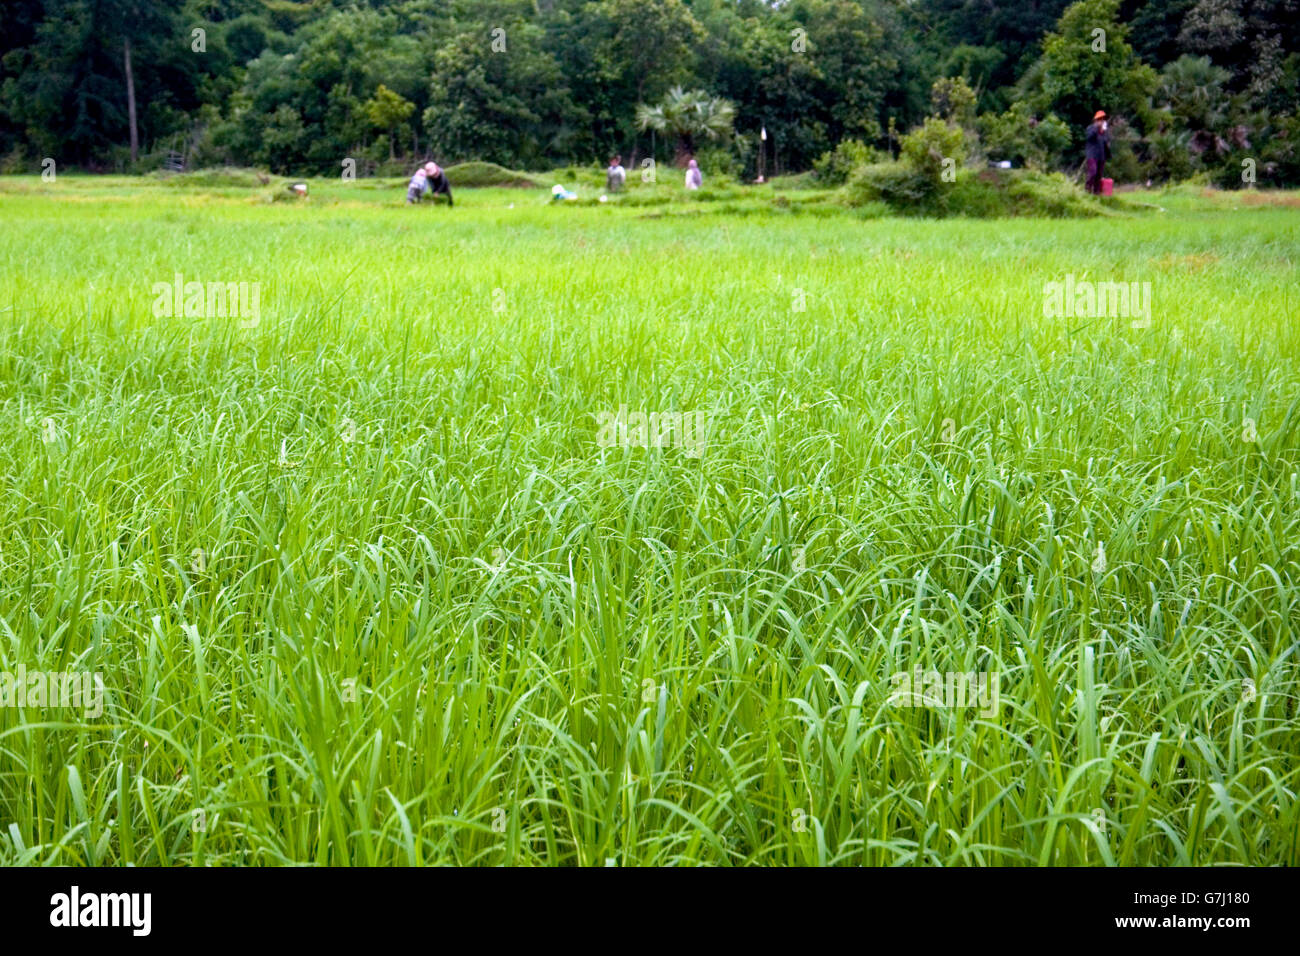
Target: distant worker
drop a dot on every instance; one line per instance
(694, 178)
(1097, 150)
(615, 175)
(428, 179)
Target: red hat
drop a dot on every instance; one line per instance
(1101, 114)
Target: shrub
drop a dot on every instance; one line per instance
(589, 177)
(725, 161)
(1024, 139)
(988, 194)
(807, 180)
(1050, 195)
(835, 167)
(901, 186)
(15, 161)
(1168, 157)
(1124, 165)
(934, 141)
(1280, 157)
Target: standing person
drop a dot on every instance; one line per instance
(694, 178)
(1097, 150)
(615, 175)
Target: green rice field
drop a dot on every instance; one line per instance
(526, 533)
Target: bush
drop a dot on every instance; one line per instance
(901, 186)
(988, 194)
(1050, 195)
(1280, 157)
(1168, 157)
(13, 162)
(930, 144)
(723, 161)
(1124, 165)
(835, 167)
(1024, 139)
(806, 180)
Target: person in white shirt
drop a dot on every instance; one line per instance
(694, 178)
(615, 175)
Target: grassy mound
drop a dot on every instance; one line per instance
(481, 174)
(984, 194)
(228, 177)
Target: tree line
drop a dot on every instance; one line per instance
(1195, 86)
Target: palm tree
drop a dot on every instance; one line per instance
(689, 116)
(1194, 90)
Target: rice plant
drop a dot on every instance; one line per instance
(363, 582)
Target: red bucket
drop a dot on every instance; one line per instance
(1108, 187)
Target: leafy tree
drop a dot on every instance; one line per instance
(69, 90)
(977, 65)
(1155, 25)
(773, 88)
(1014, 30)
(282, 139)
(387, 111)
(1087, 65)
(952, 100)
(511, 106)
(644, 45)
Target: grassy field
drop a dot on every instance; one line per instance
(365, 584)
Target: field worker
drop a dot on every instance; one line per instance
(1097, 150)
(694, 178)
(417, 187)
(615, 175)
(438, 183)
(429, 178)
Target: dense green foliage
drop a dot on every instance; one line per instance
(298, 87)
(364, 586)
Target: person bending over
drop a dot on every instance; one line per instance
(428, 179)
